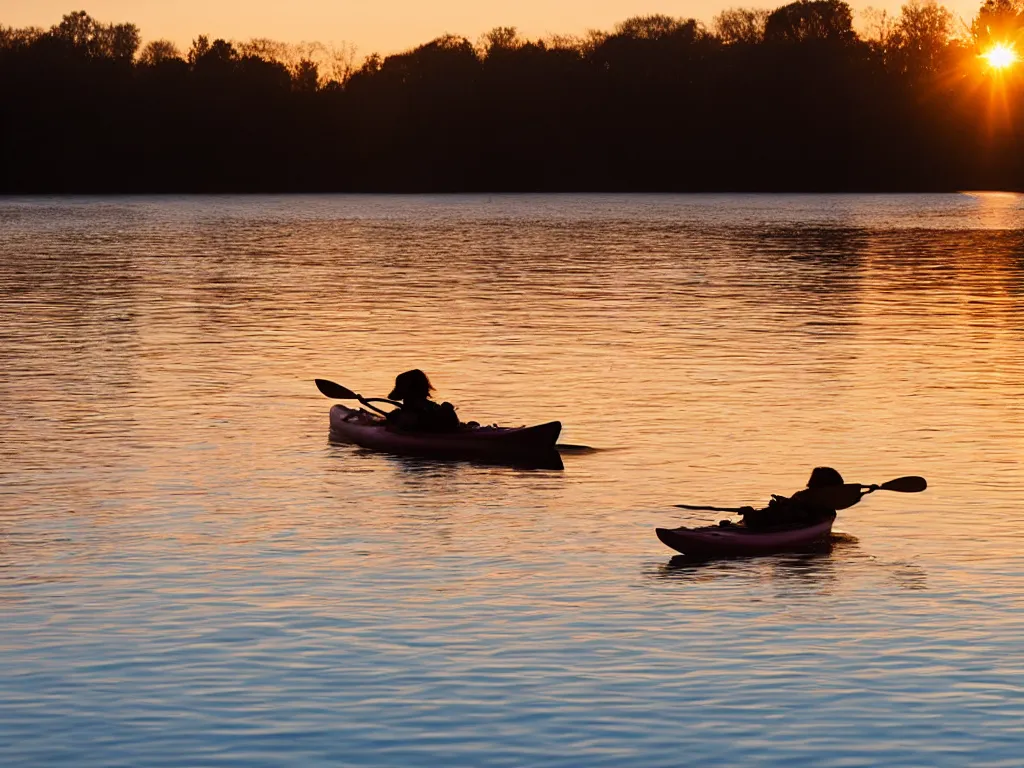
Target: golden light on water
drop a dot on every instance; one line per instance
(1000, 56)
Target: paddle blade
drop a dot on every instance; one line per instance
(909, 484)
(335, 391)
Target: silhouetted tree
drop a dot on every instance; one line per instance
(86, 36)
(741, 25)
(79, 30)
(221, 53)
(11, 38)
(787, 100)
(265, 48)
(157, 52)
(306, 77)
(655, 27)
(879, 27)
(811, 20)
(200, 47)
(501, 39)
(119, 41)
(998, 21)
(372, 64)
(921, 35)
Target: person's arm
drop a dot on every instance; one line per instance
(449, 417)
(404, 419)
(833, 497)
(775, 502)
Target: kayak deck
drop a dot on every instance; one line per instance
(506, 444)
(716, 540)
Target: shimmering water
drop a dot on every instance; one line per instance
(192, 574)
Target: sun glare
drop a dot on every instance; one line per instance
(1000, 56)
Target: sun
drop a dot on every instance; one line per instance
(1000, 56)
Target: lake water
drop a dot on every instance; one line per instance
(191, 573)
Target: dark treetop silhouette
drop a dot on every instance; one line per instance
(793, 99)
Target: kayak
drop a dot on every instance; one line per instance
(717, 540)
(515, 445)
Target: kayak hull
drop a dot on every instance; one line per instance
(717, 541)
(520, 445)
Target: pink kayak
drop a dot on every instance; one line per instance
(738, 540)
(528, 445)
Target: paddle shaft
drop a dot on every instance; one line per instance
(736, 510)
(372, 407)
(367, 400)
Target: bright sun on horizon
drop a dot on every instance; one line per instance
(1000, 56)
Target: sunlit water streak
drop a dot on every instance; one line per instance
(192, 574)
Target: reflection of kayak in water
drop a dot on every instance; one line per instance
(739, 540)
(577, 450)
(518, 445)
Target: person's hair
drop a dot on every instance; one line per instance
(412, 383)
(823, 477)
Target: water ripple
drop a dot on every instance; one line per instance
(193, 574)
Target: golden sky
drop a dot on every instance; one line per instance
(385, 26)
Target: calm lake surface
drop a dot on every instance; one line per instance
(191, 573)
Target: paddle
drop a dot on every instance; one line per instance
(845, 496)
(908, 484)
(338, 392)
(737, 510)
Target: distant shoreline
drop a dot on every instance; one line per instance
(791, 100)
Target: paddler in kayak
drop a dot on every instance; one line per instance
(418, 412)
(825, 493)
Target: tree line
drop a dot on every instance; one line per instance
(793, 99)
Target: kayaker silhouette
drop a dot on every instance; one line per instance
(418, 413)
(824, 495)
(796, 521)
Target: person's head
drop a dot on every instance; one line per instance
(411, 385)
(823, 477)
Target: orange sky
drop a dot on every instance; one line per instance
(380, 25)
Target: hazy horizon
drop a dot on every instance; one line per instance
(384, 28)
